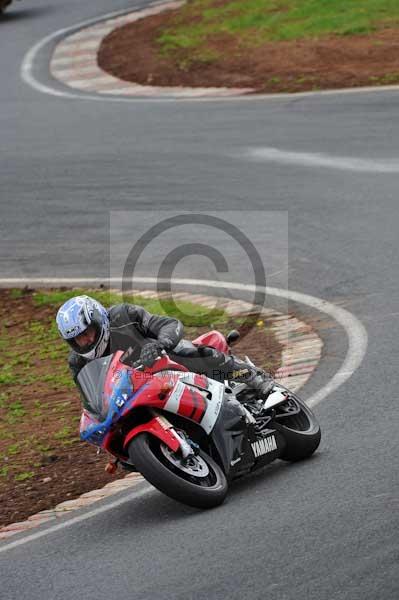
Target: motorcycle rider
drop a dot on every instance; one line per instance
(92, 331)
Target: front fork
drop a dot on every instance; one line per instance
(160, 427)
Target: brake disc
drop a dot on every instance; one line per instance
(193, 465)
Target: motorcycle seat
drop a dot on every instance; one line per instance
(186, 349)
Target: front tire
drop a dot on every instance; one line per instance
(301, 431)
(200, 483)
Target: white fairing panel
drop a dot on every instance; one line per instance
(276, 396)
(214, 405)
(172, 404)
(213, 395)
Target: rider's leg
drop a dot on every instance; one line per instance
(227, 366)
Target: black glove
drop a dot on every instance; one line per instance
(149, 353)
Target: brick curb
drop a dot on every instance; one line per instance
(300, 356)
(74, 62)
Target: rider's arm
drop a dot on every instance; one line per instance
(167, 330)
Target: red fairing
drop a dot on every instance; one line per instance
(140, 378)
(160, 429)
(192, 405)
(156, 391)
(201, 381)
(187, 401)
(213, 338)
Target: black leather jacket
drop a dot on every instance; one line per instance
(131, 326)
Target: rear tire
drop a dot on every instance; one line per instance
(301, 432)
(203, 486)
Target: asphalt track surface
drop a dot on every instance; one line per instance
(323, 529)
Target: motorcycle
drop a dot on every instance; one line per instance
(187, 434)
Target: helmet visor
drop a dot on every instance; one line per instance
(87, 340)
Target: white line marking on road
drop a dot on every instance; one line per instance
(355, 330)
(63, 524)
(307, 159)
(28, 62)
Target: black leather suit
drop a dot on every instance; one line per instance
(132, 326)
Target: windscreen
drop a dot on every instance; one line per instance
(91, 380)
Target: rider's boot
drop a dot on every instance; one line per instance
(228, 366)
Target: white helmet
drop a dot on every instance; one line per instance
(75, 316)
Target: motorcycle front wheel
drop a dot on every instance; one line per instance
(198, 481)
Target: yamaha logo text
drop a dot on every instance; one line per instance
(264, 446)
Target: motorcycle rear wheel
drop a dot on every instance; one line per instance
(200, 483)
(301, 432)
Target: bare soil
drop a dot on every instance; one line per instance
(132, 53)
(63, 468)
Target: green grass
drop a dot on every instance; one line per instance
(24, 476)
(387, 79)
(63, 433)
(36, 341)
(6, 375)
(16, 293)
(13, 449)
(192, 315)
(4, 471)
(259, 21)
